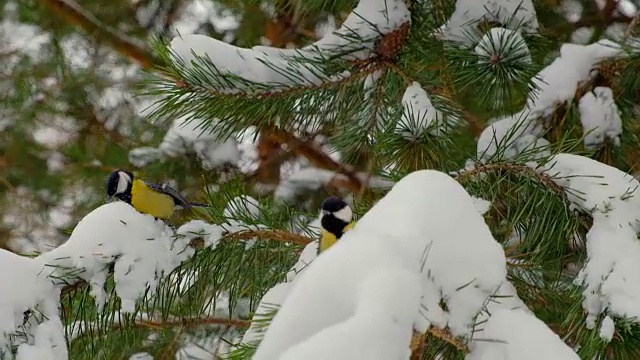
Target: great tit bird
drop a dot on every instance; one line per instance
(157, 200)
(336, 219)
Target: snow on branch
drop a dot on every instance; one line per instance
(468, 13)
(117, 233)
(311, 178)
(612, 271)
(423, 244)
(500, 44)
(600, 117)
(419, 115)
(114, 239)
(556, 84)
(518, 334)
(188, 135)
(25, 287)
(231, 70)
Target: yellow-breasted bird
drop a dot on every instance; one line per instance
(157, 200)
(336, 219)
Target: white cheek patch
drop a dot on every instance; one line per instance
(344, 214)
(123, 182)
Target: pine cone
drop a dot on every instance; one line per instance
(390, 45)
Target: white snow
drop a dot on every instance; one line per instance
(559, 81)
(607, 328)
(15, 36)
(418, 114)
(26, 287)
(425, 215)
(239, 209)
(54, 131)
(197, 228)
(370, 20)
(311, 112)
(78, 51)
(49, 342)
(600, 117)
(240, 69)
(517, 334)
(612, 270)
(269, 303)
(507, 137)
(198, 12)
(186, 135)
(311, 178)
(387, 301)
(141, 356)
(325, 28)
(571, 9)
(194, 352)
(627, 8)
(467, 14)
(274, 298)
(141, 248)
(116, 232)
(482, 205)
(556, 84)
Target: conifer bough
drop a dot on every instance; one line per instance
(521, 245)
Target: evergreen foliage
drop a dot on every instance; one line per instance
(355, 108)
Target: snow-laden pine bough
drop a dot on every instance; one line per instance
(113, 242)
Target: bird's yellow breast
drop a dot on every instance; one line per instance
(327, 239)
(148, 201)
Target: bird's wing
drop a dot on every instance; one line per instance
(166, 189)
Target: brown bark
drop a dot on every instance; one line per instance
(280, 33)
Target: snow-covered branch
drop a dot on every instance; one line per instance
(264, 69)
(612, 271)
(556, 84)
(423, 243)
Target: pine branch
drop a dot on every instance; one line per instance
(277, 235)
(178, 84)
(515, 168)
(198, 243)
(76, 15)
(471, 119)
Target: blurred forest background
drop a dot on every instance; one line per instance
(70, 114)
